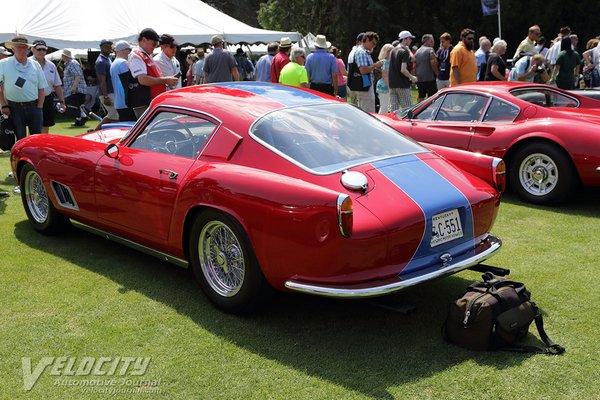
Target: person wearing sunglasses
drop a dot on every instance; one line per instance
(527, 46)
(166, 60)
(53, 90)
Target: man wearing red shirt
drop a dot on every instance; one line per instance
(280, 59)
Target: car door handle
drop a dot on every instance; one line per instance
(169, 173)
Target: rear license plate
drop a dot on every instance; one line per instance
(445, 227)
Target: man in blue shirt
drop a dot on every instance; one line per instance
(263, 65)
(119, 74)
(321, 68)
(105, 83)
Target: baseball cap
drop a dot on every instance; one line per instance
(40, 44)
(405, 34)
(149, 34)
(122, 45)
(105, 41)
(165, 38)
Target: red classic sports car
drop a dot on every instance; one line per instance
(548, 137)
(259, 185)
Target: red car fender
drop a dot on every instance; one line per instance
(490, 169)
(293, 206)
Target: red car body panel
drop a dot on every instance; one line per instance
(574, 129)
(288, 213)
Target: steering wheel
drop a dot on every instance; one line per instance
(167, 141)
(443, 114)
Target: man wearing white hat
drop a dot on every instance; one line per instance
(119, 74)
(281, 58)
(22, 84)
(321, 68)
(400, 77)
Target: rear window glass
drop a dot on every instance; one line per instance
(327, 138)
(545, 97)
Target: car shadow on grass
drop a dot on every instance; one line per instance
(584, 202)
(350, 343)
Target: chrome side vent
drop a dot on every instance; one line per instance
(64, 196)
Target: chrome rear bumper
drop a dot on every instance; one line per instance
(485, 249)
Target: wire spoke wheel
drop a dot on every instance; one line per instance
(36, 197)
(221, 258)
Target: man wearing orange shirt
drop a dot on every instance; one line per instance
(462, 60)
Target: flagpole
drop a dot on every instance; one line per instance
(499, 22)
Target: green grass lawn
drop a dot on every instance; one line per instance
(79, 295)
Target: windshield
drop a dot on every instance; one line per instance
(327, 138)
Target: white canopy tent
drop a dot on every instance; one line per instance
(81, 25)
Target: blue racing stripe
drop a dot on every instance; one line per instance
(285, 95)
(434, 194)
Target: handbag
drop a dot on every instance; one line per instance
(494, 315)
(355, 78)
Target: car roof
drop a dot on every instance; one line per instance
(240, 100)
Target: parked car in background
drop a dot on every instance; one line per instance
(549, 138)
(259, 186)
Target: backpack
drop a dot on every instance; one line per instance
(356, 81)
(494, 315)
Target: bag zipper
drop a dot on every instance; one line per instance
(470, 306)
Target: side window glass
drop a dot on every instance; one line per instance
(176, 134)
(461, 107)
(500, 111)
(546, 98)
(428, 113)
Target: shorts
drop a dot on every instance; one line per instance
(126, 114)
(111, 111)
(427, 89)
(74, 101)
(48, 111)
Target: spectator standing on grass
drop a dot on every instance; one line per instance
(166, 60)
(150, 81)
(74, 88)
(107, 94)
(342, 73)
(566, 70)
(529, 68)
(281, 58)
(481, 55)
(53, 90)
(382, 86)
(527, 45)
(190, 60)
(220, 66)
(400, 78)
(443, 57)
(540, 47)
(119, 75)
(462, 59)
(294, 73)
(263, 65)
(321, 68)
(552, 54)
(22, 84)
(496, 66)
(351, 95)
(426, 67)
(366, 66)
(199, 67)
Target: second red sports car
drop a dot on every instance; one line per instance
(549, 138)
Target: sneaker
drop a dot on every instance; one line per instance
(17, 190)
(4, 195)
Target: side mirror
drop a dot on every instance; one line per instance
(112, 151)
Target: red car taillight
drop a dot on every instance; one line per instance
(344, 214)
(499, 173)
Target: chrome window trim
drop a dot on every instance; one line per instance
(549, 88)
(337, 170)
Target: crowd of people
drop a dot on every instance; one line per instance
(31, 89)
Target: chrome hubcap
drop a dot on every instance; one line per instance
(538, 174)
(36, 197)
(221, 258)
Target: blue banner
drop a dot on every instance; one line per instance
(490, 7)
